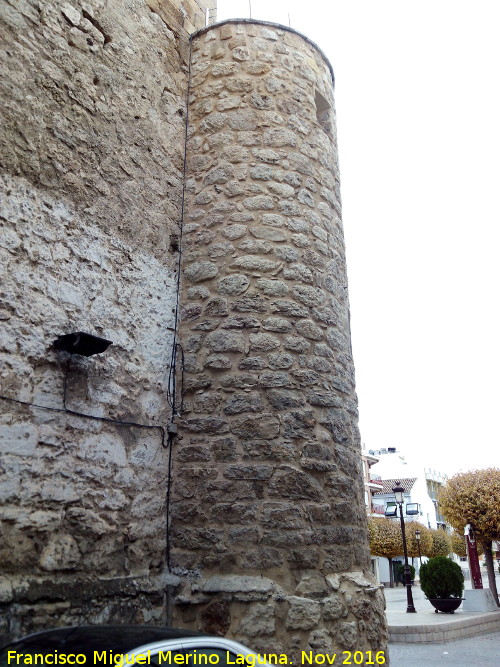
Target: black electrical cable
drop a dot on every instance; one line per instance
(86, 416)
(171, 392)
(167, 501)
(68, 411)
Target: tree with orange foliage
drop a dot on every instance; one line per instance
(458, 545)
(474, 497)
(441, 543)
(411, 540)
(385, 540)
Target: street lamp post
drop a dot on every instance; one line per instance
(398, 492)
(417, 537)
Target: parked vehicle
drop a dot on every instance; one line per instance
(117, 645)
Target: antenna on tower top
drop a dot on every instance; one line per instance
(250, 7)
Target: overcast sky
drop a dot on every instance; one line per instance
(418, 121)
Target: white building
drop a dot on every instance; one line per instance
(392, 466)
(420, 498)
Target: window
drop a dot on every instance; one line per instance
(323, 112)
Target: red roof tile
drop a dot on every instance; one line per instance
(389, 484)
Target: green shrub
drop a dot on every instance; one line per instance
(440, 577)
(401, 573)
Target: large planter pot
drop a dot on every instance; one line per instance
(446, 605)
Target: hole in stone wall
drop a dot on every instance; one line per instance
(323, 112)
(174, 243)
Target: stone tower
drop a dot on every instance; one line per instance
(131, 156)
(268, 521)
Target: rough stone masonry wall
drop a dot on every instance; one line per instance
(93, 123)
(269, 521)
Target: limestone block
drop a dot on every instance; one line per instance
(241, 381)
(279, 361)
(321, 641)
(284, 399)
(224, 69)
(282, 189)
(297, 344)
(238, 403)
(302, 273)
(233, 232)
(199, 271)
(262, 341)
(261, 558)
(258, 621)
(268, 234)
(259, 203)
(20, 438)
(227, 31)
(274, 379)
(259, 247)
(303, 613)
(225, 341)
(209, 425)
(347, 634)
(218, 361)
(289, 482)
(238, 584)
(309, 329)
(241, 322)
(252, 363)
(216, 307)
(268, 155)
(277, 324)
(333, 608)
(286, 253)
(60, 553)
(6, 593)
(233, 285)
(282, 515)
(248, 472)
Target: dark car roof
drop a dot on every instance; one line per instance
(88, 638)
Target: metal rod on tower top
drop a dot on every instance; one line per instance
(289, 24)
(250, 7)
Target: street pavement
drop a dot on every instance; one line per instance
(480, 651)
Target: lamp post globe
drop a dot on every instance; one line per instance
(417, 537)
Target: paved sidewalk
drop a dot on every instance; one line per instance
(426, 626)
(481, 651)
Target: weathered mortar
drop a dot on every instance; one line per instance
(92, 148)
(269, 514)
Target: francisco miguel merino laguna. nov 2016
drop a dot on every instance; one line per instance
(192, 658)
(162, 658)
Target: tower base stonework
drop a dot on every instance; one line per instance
(268, 524)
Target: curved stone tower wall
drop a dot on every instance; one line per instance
(269, 519)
